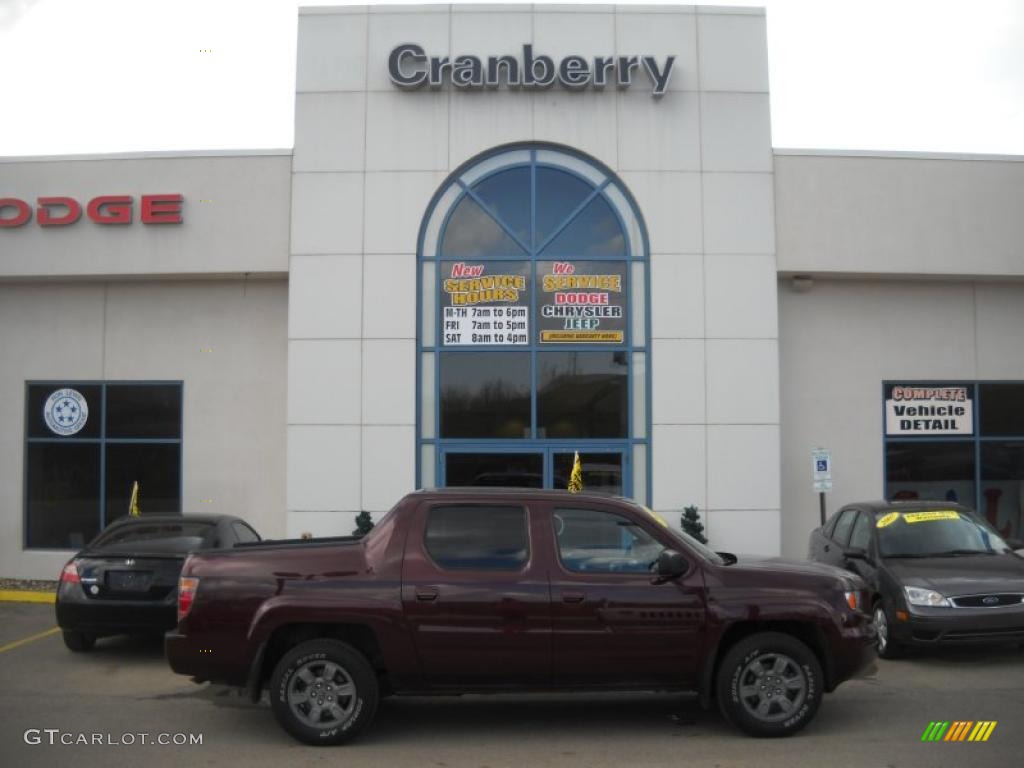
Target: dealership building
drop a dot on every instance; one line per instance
(507, 234)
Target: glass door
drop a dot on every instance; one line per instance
(604, 469)
(498, 469)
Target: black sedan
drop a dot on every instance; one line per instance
(126, 579)
(939, 574)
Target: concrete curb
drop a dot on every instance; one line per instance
(24, 596)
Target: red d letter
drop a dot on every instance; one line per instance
(47, 219)
(24, 213)
(111, 209)
(161, 209)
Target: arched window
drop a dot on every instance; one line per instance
(533, 326)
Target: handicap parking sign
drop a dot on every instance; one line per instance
(821, 460)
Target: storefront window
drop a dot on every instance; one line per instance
(937, 471)
(86, 445)
(486, 394)
(582, 394)
(533, 316)
(958, 441)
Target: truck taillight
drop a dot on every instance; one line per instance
(853, 600)
(187, 587)
(70, 574)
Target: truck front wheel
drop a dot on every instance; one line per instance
(769, 684)
(323, 692)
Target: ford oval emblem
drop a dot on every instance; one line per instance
(990, 600)
(130, 562)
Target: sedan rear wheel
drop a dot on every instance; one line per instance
(78, 641)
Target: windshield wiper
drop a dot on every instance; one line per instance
(905, 554)
(955, 552)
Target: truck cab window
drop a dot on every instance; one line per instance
(478, 537)
(590, 540)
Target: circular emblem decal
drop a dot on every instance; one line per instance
(65, 412)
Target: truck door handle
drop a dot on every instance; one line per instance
(828, 548)
(572, 597)
(426, 593)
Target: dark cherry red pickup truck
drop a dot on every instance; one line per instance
(485, 590)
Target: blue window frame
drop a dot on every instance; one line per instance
(86, 442)
(977, 461)
(564, 379)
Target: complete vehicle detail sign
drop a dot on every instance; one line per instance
(915, 410)
(480, 308)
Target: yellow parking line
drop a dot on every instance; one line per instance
(24, 596)
(23, 641)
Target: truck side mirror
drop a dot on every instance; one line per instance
(671, 565)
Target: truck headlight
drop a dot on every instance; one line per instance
(928, 598)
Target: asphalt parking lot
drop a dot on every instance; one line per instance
(124, 687)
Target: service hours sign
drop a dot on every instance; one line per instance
(485, 304)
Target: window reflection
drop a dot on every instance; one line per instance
(594, 232)
(1002, 409)
(1002, 486)
(932, 471)
(558, 195)
(602, 472)
(485, 394)
(506, 195)
(471, 232)
(494, 470)
(582, 394)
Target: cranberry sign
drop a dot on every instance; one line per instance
(60, 211)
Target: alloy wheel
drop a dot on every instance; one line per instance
(321, 694)
(772, 687)
(882, 628)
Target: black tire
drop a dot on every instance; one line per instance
(785, 663)
(310, 702)
(78, 641)
(887, 646)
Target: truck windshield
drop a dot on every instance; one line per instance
(691, 542)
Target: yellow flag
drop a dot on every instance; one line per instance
(576, 478)
(133, 505)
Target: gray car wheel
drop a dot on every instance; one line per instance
(888, 648)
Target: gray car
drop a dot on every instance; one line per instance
(939, 574)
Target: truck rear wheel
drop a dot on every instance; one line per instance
(769, 684)
(323, 692)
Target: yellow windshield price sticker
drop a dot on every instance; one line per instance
(923, 517)
(889, 519)
(656, 516)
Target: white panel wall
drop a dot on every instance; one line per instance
(234, 392)
(900, 215)
(697, 160)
